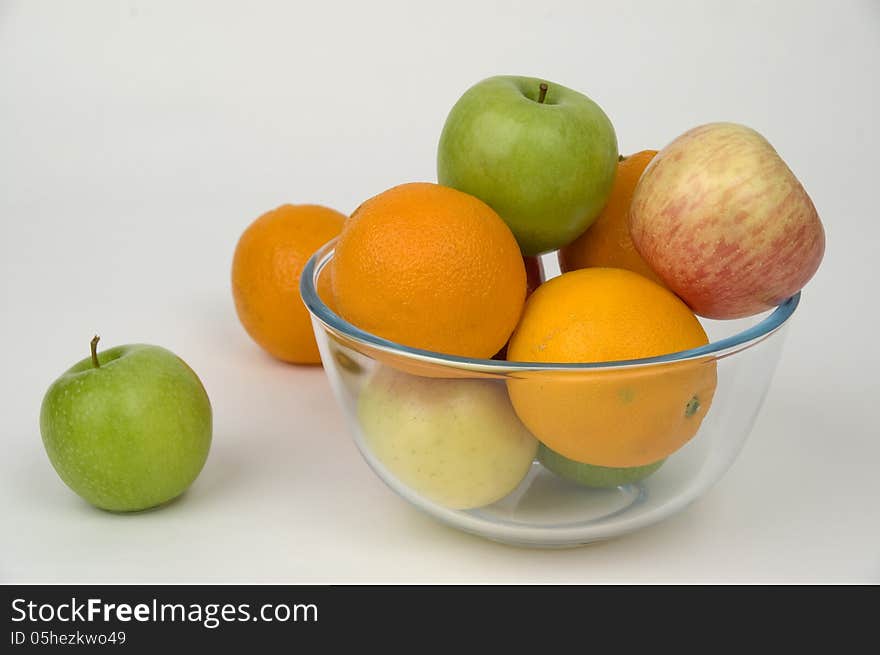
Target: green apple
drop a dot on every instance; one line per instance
(541, 155)
(602, 477)
(129, 428)
(456, 442)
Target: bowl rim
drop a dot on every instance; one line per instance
(714, 350)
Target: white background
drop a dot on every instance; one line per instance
(137, 141)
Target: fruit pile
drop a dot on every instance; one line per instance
(714, 224)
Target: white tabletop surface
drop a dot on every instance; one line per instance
(138, 139)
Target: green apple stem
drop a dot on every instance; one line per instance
(95, 362)
(542, 92)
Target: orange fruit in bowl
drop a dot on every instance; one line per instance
(607, 242)
(432, 268)
(266, 267)
(620, 417)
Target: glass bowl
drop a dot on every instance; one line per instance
(465, 440)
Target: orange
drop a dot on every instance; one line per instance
(430, 267)
(607, 242)
(266, 268)
(611, 417)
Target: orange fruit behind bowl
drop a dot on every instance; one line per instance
(430, 267)
(607, 242)
(266, 267)
(615, 418)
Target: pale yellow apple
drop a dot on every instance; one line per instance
(457, 442)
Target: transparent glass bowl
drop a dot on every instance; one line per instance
(442, 432)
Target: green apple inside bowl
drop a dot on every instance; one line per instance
(590, 475)
(128, 428)
(541, 155)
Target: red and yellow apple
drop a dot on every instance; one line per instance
(724, 222)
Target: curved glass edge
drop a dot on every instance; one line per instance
(336, 323)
